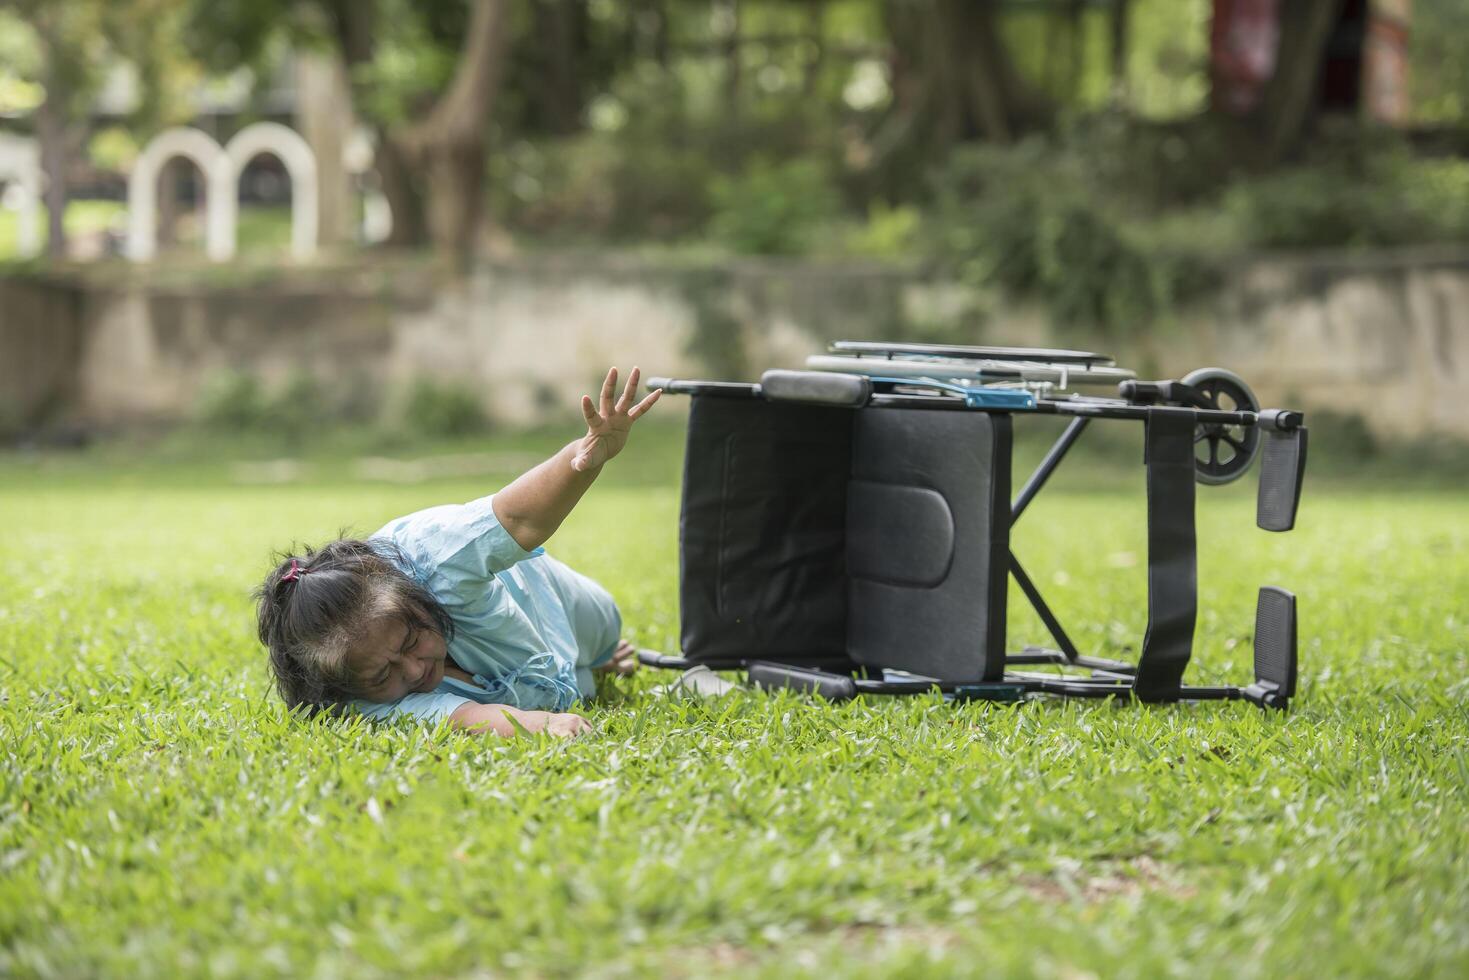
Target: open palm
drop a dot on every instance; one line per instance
(609, 422)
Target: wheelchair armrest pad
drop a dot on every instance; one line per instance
(817, 387)
(769, 676)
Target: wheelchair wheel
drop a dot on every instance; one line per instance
(1222, 453)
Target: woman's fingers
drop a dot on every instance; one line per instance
(589, 411)
(642, 407)
(609, 387)
(629, 392)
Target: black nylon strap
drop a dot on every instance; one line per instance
(1172, 557)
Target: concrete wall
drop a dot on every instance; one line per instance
(1386, 332)
(1385, 335)
(41, 327)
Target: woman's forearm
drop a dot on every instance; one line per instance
(496, 718)
(533, 506)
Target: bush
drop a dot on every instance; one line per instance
(658, 143)
(232, 401)
(236, 402)
(297, 407)
(1029, 220)
(1378, 196)
(436, 410)
(773, 209)
(890, 232)
(588, 188)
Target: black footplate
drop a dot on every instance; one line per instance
(1281, 473)
(1275, 649)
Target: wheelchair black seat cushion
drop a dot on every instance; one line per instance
(762, 533)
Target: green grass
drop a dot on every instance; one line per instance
(82, 218)
(260, 230)
(160, 814)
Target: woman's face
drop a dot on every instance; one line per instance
(394, 658)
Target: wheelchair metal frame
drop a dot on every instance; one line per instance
(1173, 420)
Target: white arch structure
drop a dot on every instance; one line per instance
(219, 183)
(300, 164)
(20, 162)
(221, 167)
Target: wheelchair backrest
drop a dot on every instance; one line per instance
(834, 537)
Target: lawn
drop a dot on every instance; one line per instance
(160, 814)
(261, 229)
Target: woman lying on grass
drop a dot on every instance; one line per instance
(457, 611)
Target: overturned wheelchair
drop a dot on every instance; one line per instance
(845, 529)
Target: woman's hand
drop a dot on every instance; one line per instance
(624, 661)
(533, 506)
(609, 423)
(567, 725)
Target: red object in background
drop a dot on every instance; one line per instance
(1244, 39)
(1385, 57)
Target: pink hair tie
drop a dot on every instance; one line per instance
(295, 572)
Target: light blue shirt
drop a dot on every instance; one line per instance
(527, 627)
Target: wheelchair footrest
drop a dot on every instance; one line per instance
(1281, 473)
(773, 677)
(1275, 649)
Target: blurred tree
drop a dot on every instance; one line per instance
(65, 34)
(425, 75)
(76, 43)
(448, 145)
(1290, 97)
(1439, 73)
(1313, 51)
(953, 80)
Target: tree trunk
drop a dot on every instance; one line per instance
(456, 180)
(953, 80)
(986, 73)
(816, 29)
(450, 146)
(559, 31)
(732, 58)
(354, 22)
(396, 174)
(51, 134)
(324, 119)
(1118, 45)
(1290, 96)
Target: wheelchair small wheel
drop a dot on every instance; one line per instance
(1222, 453)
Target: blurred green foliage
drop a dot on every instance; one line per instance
(238, 402)
(442, 409)
(302, 410)
(766, 127)
(772, 208)
(1039, 221)
(890, 232)
(1384, 196)
(231, 401)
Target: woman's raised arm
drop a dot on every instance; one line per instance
(534, 505)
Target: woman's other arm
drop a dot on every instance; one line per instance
(496, 718)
